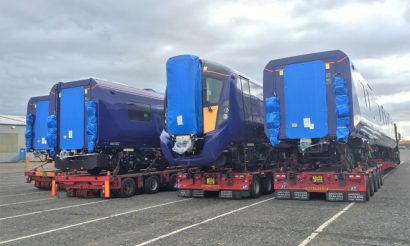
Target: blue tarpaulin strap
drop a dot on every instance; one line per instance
(29, 131)
(273, 119)
(91, 124)
(184, 95)
(342, 110)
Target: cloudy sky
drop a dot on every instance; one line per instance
(43, 42)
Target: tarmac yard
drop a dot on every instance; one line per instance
(29, 216)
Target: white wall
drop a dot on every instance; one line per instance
(13, 156)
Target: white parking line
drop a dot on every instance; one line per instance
(324, 225)
(91, 221)
(15, 203)
(52, 209)
(22, 194)
(202, 222)
(329, 221)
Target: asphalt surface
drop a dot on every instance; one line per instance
(32, 217)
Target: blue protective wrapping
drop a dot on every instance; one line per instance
(342, 109)
(29, 131)
(91, 124)
(184, 95)
(273, 119)
(52, 131)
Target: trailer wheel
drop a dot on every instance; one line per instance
(172, 181)
(371, 185)
(367, 189)
(378, 179)
(128, 188)
(375, 178)
(255, 187)
(266, 185)
(151, 185)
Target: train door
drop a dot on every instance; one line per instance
(72, 118)
(305, 100)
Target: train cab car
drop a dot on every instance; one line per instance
(36, 126)
(214, 115)
(320, 106)
(98, 125)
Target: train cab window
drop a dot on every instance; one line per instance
(245, 86)
(139, 112)
(212, 90)
(368, 100)
(364, 95)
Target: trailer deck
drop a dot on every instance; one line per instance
(358, 185)
(106, 185)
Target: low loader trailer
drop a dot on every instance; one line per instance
(41, 177)
(106, 185)
(355, 186)
(227, 183)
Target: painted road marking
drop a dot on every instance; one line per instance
(324, 225)
(329, 221)
(91, 221)
(15, 203)
(202, 222)
(50, 210)
(22, 194)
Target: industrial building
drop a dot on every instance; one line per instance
(12, 137)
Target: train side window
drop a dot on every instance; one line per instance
(368, 99)
(256, 91)
(364, 94)
(246, 98)
(380, 114)
(139, 112)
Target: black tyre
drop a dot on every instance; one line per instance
(94, 171)
(371, 183)
(381, 177)
(151, 184)
(375, 178)
(172, 182)
(266, 185)
(255, 188)
(378, 179)
(128, 188)
(367, 189)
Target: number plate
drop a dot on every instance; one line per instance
(317, 179)
(210, 181)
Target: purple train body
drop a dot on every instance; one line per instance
(95, 124)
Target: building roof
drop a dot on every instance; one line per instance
(12, 120)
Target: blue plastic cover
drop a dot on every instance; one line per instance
(71, 118)
(342, 110)
(52, 132)
(305, 100)
(91, 124)
(29, 131)
(40, 125)
(273, 119)
(184, 95)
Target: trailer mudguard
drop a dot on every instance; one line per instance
(184, 95)
(272, 119)
(91, 124)
(342, 109)
(29, 131)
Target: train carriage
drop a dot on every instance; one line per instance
(94, 125)
(320, 106)
(214, 115)
(36, 126)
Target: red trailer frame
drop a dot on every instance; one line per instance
(229, 184)
(358, 185)
(106, 185)
(42, 178)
